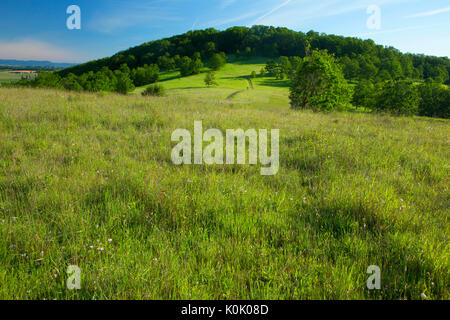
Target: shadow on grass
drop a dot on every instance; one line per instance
(170, 78)
(187, 88)
(275, 83)
(245, 77)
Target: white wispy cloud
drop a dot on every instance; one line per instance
(225, 21)
(301, 12)
(430, 13)
(226, 3)
(273, 10)
(194, 24)
(125, 15)
(29, 49)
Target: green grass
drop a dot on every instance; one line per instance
(353, 190)
(231, 79)
(5, 76)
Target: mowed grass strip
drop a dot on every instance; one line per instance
(87, 180)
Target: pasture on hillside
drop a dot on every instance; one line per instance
(233, 85)
(87, 179)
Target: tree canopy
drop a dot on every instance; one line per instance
(319, 84)
(361, 59)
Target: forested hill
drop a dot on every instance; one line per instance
(361, 59)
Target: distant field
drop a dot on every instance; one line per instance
(6, 76)
(87, 180)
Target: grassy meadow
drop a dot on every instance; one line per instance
(87, 180)
(233, 86)
(6, 76)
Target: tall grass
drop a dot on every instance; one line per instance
(81, 172)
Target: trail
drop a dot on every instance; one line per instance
(233, 94)
(250, 82)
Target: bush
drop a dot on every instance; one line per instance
(434, 100)
(398, 97)
(319, 84)
(123, 84)
(71, 83)
(217, 61)
(364, 94)
(47, 80)
(190, 66)
(145, 75)
(154, 90)
(210, 79)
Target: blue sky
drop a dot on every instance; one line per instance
(36, 29)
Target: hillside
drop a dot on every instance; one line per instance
(233, 85)
(354, 73)
(87, 179)
(361, 59)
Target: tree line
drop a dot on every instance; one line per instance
(372, 69)
(318, 83)
(124, 79)
(361, 59)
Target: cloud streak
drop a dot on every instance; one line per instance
(226, 3)
(126, 16)
(430, 13)
(301, 12)
(225, 21)
(272, 11)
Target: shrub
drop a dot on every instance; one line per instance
(190, 66)
(154, 90)
(319, 84)
(434, 100)
(210, 79)
(398, 97)
(145, 75)
(217, 61)
(123, 84)
(364, 94)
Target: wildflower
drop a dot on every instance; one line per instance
(109, 240)
(423, 295)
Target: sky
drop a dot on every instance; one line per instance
(37, 29)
